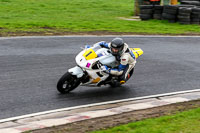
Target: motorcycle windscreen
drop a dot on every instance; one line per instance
(89, 54)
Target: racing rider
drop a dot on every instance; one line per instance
(123, 55)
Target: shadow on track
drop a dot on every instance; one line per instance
(98, 94)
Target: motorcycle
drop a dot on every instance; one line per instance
(89, 70)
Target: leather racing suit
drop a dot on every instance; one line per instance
(126, 61)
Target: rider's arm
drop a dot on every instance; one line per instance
(118, 71)
(121, 67)
(102, 44)
(126, 62)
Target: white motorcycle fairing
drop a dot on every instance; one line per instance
(90, 69)
(92, 66)
(77, 71)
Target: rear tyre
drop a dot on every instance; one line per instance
(115, 84)
(67, 83)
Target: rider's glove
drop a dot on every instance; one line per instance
(105, 69)
(87, 46)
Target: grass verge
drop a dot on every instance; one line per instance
(184, 122)
(74, 16)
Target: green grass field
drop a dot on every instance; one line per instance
(80, 16)
(185, 122)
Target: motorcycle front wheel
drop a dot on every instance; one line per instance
(67, 83)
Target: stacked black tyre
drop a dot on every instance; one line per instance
(146, 12)
(184, 15)
(191, 2)
(157, 14)
(195, 16)
(170, 13)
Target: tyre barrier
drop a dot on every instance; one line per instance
(183, 14)
(170, 13)
(195, 16)
(146, 12)
(157, 14)
(193, 2)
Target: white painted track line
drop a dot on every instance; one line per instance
(97, 104)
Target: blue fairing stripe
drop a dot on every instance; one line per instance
(132, 54)
(99, 55)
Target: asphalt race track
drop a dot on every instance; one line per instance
(31, 67)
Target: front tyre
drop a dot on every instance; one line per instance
(67, 83)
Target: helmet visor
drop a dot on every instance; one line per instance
(115, 50)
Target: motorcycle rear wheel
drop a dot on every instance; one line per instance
(115, 84)
(67, 83)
